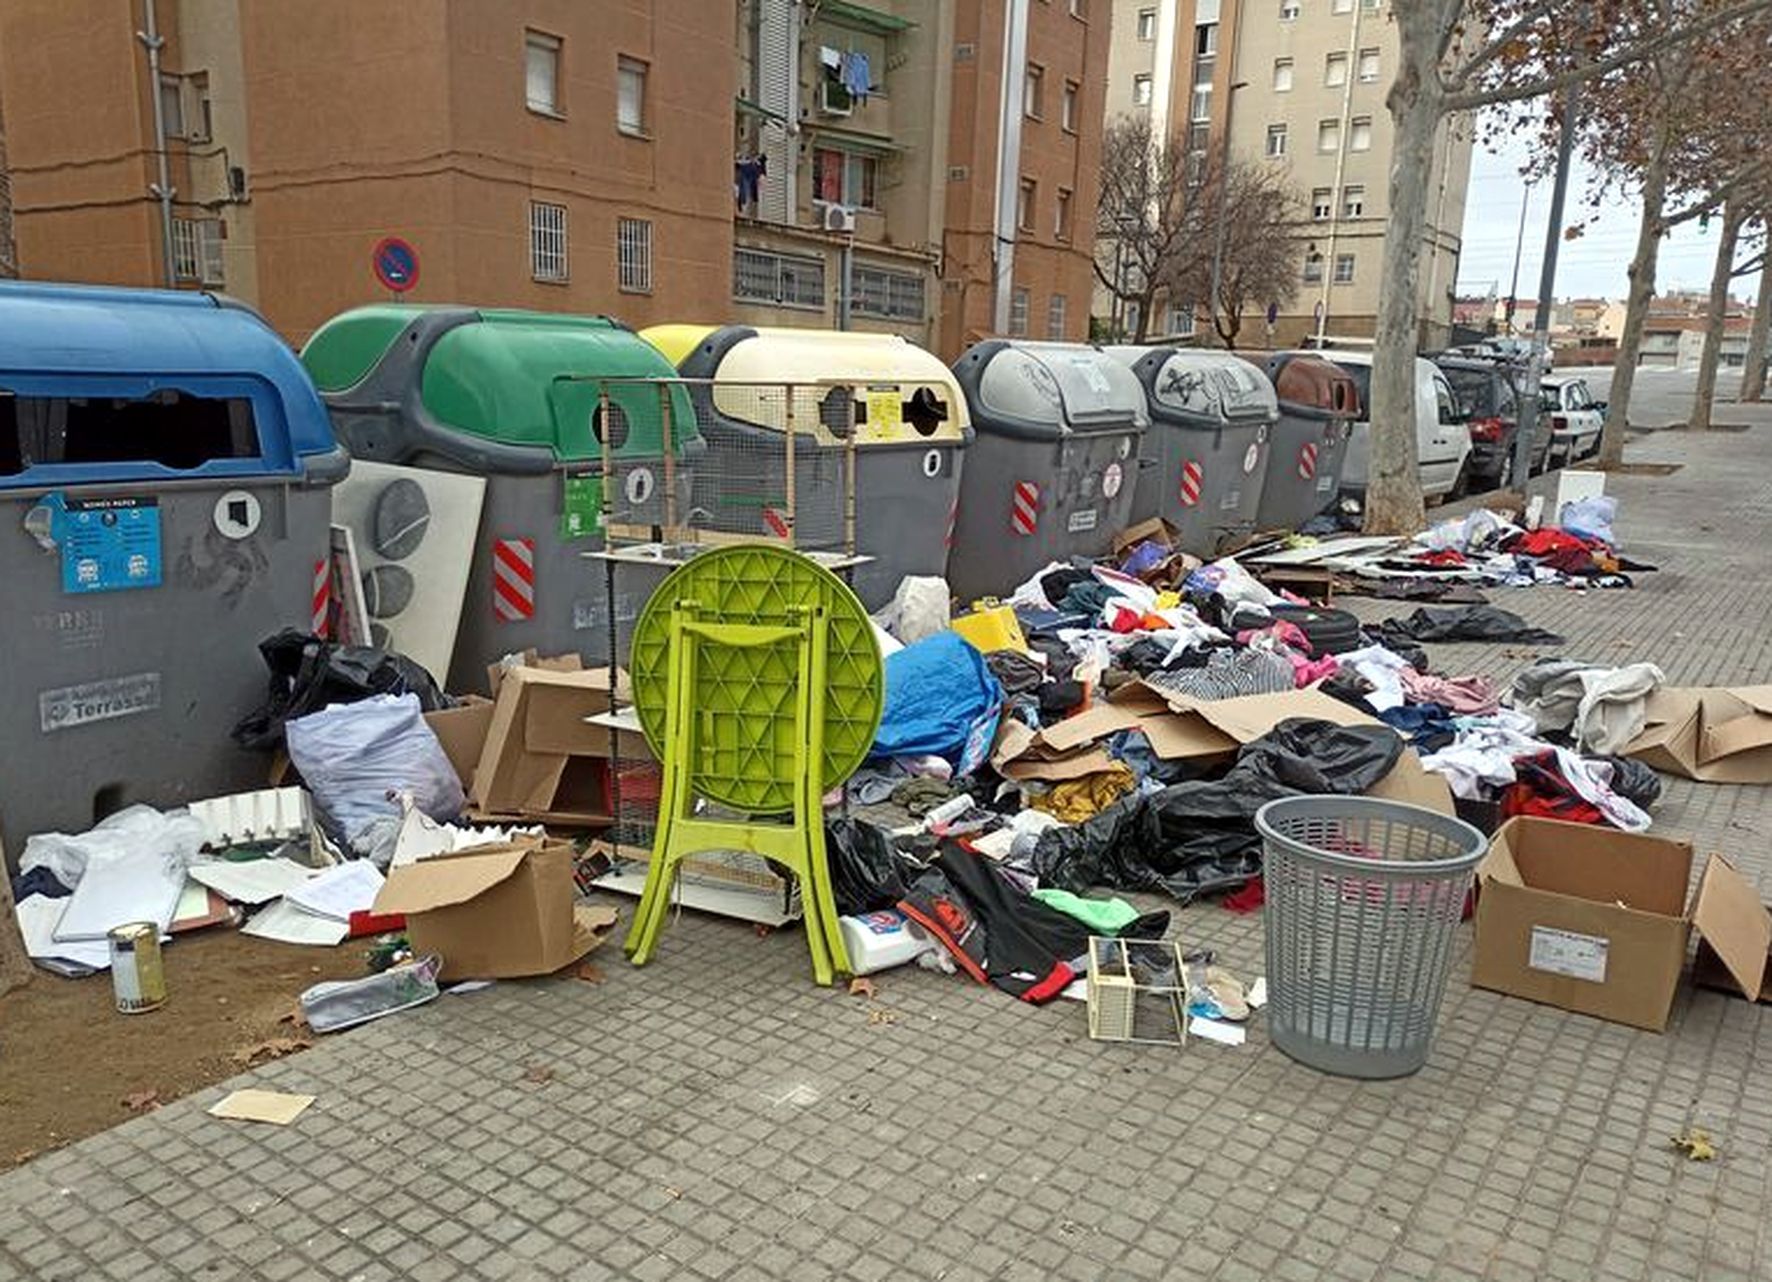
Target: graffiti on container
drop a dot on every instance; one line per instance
(224, 563)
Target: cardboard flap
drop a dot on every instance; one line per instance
(555, 712)
(1498, 865)
(1729, 916)
(1759, 698)
(1412, 784)
(1248, 717)
(1669, 706)
(1086, 727)
(447, 879)
(1089, 762)
(1736, 735)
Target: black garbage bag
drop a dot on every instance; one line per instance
(1634, 781)
(1199, 836)
(1465, 623)
(867, 872)
(307, 673)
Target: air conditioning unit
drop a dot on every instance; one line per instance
(838, 218)
(834, 99)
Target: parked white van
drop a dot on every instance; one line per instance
(1442, 441)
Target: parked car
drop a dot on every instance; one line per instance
(1442, 441)
(1488, 390)
(1576, 418)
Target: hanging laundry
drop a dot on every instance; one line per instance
(748, 174)
(857, 75)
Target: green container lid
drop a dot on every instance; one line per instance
(515, 377)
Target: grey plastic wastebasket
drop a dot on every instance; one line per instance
(1363, 899)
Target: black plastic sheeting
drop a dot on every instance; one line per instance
(308, 673)
(1465, 623)
(867, 872)
(1199, 836)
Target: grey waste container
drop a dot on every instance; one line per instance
(1207, 450)
(1051, 471)
(165, 466)
(1363, 900)
(515, 397)
(907, 468)
(1318, 403)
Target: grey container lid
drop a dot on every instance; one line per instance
(1201, 388)
(1050, 389)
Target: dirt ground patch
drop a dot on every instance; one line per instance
(68, 1060)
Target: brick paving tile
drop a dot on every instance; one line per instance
(715, 1115)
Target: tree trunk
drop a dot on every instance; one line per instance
(1636, 313)
(1393, 480)
(1753, 369)
(15, 965)
(1716, 314)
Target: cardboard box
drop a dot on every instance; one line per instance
(1712, 734)
(541, 759)
(1596, 921)
(495, 912)
(462, 732)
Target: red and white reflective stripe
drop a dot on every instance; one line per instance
(513, 579)
(1191, 475)
(953, 518)
(322, 598)
(777, 522)
(1307, 460)
(1024, 512)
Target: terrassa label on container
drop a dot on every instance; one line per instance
(78, 705)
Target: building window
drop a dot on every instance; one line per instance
(1141, 91)
(1055, 317)
(1313, 269)
(1025, 203)
(197, 251)
(1033, 92)
(1341, 6)
(1289, 10)
(1063, 221)
(1328, 135)
(1368, 66)
(172, 106)
(1322, 204)
(1079, 8)
(630, 96)
(547, 241)
(844, 178)
(1206, 39)
(1202, 104)
(1359, 136)
(1353, 202)
(1067, 106)
(1282, 75)
(541, 72)
(1344, 269)
(1018, 314)
(888, 295)
(633, 255)
(1335, 70)
(1276, 140)
(1147, 24)
(1369, 5)
(200, 127)
(786, 280)
(1181, 320)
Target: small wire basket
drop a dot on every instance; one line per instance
(1137, 991)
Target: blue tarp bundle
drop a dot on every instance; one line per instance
(941, 698)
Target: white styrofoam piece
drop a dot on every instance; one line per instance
(744, 905)
(268, 814)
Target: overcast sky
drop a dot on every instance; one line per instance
(1593, 265)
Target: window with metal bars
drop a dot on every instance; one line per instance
(197, 251)
(633, 255)
(547, 241)
(1055, 318)
(787, 280)
(887, 294)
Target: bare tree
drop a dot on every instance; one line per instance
(1464, 55)
(1141, 221)
(1716, 314)
(1753, 368)
(1262, 215)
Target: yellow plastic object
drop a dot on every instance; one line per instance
(991, 627)
(676, 341)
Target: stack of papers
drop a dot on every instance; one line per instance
(317, 910)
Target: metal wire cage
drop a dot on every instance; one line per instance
(1363, 901)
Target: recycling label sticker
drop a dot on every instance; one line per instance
(639, 486)
(1111, 480)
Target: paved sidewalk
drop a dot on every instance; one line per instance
(716, 1116)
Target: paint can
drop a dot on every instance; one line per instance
(136, 974)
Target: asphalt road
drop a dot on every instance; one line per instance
(1662, 396)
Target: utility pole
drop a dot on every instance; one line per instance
(153, 41)
(1513, 289)
(1338, 201)
(1547, 284)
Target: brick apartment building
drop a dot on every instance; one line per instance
(919, 166)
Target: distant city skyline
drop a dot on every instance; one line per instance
(1593, 265)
